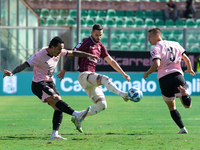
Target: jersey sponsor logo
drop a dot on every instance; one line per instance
(79, 45)
(99, 48)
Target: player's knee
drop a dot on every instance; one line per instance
(102, 105)
(104, 79)
(52, 99)
(186, 101)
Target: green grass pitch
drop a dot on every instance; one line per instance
(26, 124)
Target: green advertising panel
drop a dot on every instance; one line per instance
(20, 84)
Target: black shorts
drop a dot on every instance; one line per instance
(44, 89)
(169, 84)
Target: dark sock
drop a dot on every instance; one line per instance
(57, 119)
(177, 118)
(64, 107)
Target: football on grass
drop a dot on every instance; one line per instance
(135, 95)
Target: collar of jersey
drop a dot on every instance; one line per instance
(92, 40)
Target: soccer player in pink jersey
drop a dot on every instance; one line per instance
(90, 80)
(167, 56)
(45, 62)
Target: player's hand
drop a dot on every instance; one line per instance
(191, 72)
(61, 74)
(145, 75)
(7, 73)
(127, 77)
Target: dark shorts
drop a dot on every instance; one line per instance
(44, 89)
(169, 84)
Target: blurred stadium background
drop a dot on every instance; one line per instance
(27, 25)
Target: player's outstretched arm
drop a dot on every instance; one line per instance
(188, 64)
(153, 68)
(19, 68)
(116, 66)
(81, 54)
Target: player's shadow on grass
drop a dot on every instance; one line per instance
(35, 137)
(22, 138)
(147, 133)
(72, 134)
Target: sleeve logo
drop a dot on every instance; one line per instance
(31, 58)
(79, 45)
(152, 53)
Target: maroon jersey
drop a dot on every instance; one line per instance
(88, 45)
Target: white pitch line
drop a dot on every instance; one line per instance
(97, 119)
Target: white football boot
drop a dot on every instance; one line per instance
(56, 136)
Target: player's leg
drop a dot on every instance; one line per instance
(64, 107)
(89, 83)
(41, 90)
(184, 97)
(94, 91)
(97, 79)
(167, 86)
(98, 98)
(182, 92)
(99, 106)
(57, 119)
(48, 93)
(57, 103)
(175, 114)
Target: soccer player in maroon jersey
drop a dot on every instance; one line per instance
(45, 62)
(88, 78)
(167, 56)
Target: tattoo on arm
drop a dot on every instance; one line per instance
(80, 54)
(67, 62)
(20, 68)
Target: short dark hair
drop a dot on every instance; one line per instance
(155, 31)
(97, 27)
(55, 41)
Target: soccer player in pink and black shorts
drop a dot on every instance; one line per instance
(45, 62)
(90, 80)
(167, 56)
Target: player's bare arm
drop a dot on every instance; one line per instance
(188, 64)
(81, 54)
(19, 68)
(116, 66)
(153, 68)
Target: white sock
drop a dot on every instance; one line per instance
(107, 83)
(122, 94)
(78, 113)
(55, 132)
(183, 128)
(75, 113)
